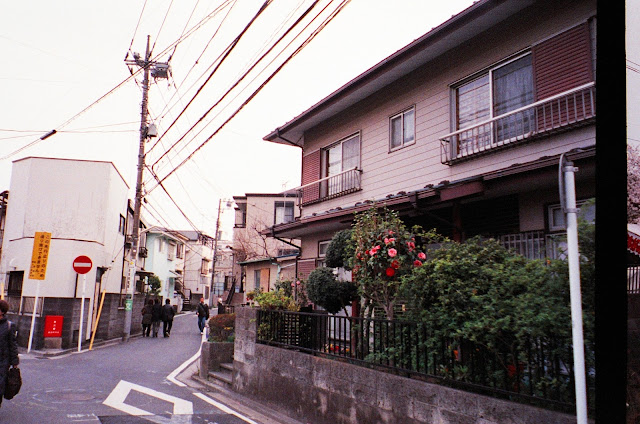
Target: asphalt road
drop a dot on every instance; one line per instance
(133, 382)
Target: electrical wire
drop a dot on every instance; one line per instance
(226, 54)
(162, 25)
(302, 46)
(251, 68)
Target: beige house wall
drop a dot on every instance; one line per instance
(428, 88)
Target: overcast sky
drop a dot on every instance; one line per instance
(60, 57)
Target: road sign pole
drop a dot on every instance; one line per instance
(84, 289)
(33, 316)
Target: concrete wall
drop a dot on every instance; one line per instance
(318, 390)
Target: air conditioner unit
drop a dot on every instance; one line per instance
(143, 252)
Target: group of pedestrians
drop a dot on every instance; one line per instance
(153, 313)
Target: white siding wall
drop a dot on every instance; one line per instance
(417, 165)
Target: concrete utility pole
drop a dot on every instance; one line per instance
(215, 252)
(146, 64)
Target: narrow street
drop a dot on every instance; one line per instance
(143, 380)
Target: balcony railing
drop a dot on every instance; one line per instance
(561, 112)
(328, 187)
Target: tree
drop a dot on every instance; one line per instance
(633, 184)
(154, 285)
(383, 252)
(326, 291)
(339, 250)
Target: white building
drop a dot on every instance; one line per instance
(83, 205)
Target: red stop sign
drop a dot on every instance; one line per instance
(82, 264)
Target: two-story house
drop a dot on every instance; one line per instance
(263, 260)
(82, 204)
(462, 130)
(165, 250)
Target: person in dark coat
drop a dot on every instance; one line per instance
(156, 317)
(147, 316)
(8, 346)
(167, 317)
(203, 314)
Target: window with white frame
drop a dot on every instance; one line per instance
(160, 244)
(204, 269)
(171, 251)
(497, 91)
(179, 250)
(283, 212)
(587, 210)
(402, 129)
(337, 158)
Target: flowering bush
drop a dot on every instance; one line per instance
(222, 327)
(384, 252)
(276, 299)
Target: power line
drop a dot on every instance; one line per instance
(304, 44)
(227, 51)
(251, 68)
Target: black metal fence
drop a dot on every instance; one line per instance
(539, 373)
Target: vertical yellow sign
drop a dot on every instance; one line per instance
(40, 255)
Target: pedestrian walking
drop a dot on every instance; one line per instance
(8, 346)
(147, 316)
(167, 317)
(203, 314)
(156, 317)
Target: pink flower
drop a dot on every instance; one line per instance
(392, 252)
(390, 272)
(389, 240)
(386, 240)
(422, 256)
(297, 283)
(391, 233)
(293, 285)
(417, 263)
(411, 245)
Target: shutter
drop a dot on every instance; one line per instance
(305, 266)
(562, 62)
(311, 173)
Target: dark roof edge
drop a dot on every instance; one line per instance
(420, 43)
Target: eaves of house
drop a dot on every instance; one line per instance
(462, 27)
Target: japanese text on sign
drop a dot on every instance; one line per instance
(40, 255)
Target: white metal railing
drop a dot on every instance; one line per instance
(328, 187)
(555, 113)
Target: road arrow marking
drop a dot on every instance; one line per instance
(117, 397)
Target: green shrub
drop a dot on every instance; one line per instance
(339, 250)
(222, 328)
(327, 292)
(276, 299)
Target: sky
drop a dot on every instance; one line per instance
(61, 57)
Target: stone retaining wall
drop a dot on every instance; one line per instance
(320, 390)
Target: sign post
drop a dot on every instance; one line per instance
(37, 271)
(82, 265)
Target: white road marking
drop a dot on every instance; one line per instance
(117, 397)
(172, 377)
(224, 408)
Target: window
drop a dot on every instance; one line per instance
(500, 90)
(557, 218)
(204, 269)
(171, 251)
(402, 129)
(160, 245)
(122, 226)
(179, 250)
(256, 279)
(15, 283)
(283, 212)
(322, 248)
(341, 156)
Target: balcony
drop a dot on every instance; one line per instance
(564, 111)
(329, 187)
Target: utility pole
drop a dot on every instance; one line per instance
(146, 65)
(215, 252)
